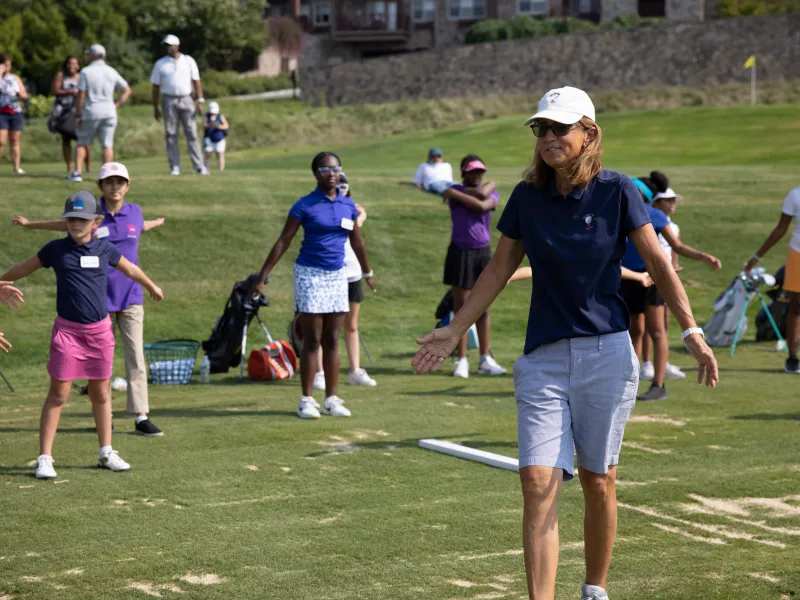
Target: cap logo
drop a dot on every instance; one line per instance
(77, 205)
(553, 97)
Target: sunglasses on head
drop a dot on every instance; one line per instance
(540, 130)
(326, 170)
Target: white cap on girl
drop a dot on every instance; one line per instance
(113, 169)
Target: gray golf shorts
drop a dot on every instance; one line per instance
(575, 395)
(102, 129)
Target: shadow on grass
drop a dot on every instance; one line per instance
(768, 417)
(458, 392)
(383, 445)
(194, 413)
(60, 430)
(30, 472)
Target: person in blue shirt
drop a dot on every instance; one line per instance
(329, 219)
(215, 130)
(646, 305)
(575, 384)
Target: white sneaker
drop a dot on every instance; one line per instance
(462, 368)
(593, 592)
(334, 407)
(175, 171)
(308, 408)
(19, 172)
(489, 366)
(75, 177)
(113, 462)
(674, 372)
(44, 467)
(647, 371)
(360, 377)
(319, 381)
(202, 171)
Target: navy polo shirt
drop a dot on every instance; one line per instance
(326, 224)
(575, 244)
(632, 259)
(81, 276)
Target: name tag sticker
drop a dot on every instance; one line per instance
(90, 262)
(348, 224)
(102, 232)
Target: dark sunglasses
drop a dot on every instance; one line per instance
(540, 130)
(326, 170)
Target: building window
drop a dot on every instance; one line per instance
(305, 10)
(533, 7)
(467, 9)
(424, 11)
(322, 14)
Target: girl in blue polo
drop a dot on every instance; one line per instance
(82, 343)
(329, 219)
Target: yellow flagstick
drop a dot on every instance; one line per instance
(750, 63)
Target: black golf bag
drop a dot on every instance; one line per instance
(779, 308)
(224, 347)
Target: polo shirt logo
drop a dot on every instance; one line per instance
(131, 230)
(588, 219)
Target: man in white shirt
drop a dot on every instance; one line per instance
(435, 175)
(176, 79)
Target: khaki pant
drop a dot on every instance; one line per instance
(179, 110)
(131, 327)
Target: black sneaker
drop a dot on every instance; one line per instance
(146, 428)
(654, 393)
(792, 365)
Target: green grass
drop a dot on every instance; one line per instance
(352, 509)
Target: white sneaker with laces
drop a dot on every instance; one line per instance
(319, 381)
(44, 467)
(593, 592)
(489, 366)
(462, 368)
(360, 377)
(647, 371)
(113, 462)
(308, 408)
(175, 171)
(334, 407)
(674, 372)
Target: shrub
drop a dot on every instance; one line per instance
(219, 84)
(39, 106)
(742, 8)
(488, 31)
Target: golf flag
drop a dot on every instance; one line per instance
(750, 62)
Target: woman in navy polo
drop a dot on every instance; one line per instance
(328, 218)
(576, 383)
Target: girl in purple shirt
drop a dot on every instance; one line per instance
(471, 205)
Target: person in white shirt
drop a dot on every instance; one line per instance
(435, 175)
(791, 280)
(176, 79)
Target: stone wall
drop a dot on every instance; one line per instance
(672, 55)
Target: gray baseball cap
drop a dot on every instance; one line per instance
(96, 50)
(82, 205)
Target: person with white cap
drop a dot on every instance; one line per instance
(575, 385)
(215, 131)
(96, 112)
(176, 80)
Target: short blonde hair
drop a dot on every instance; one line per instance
(580, 172)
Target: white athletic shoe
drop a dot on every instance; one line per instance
(44, 467)
(334, 407)
(75, 177)
(308, 408)
(489, 366)
(202, 171)
(593, 592)
(113, 462)
(647, 371)
(175, 171)
(674, 372)
(462, 368)
(360, 377)
(319, 381)
(19, 172)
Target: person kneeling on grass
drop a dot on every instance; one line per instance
(82, 343)
(122, 226)
(215, 131)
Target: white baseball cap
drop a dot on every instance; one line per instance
(96, 50)
(213, 108)
(566, 105)
(171, 40)
(113, 169)
(669, 194)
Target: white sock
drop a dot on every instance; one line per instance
(139, 419)
(484, 357)
(647, 363)
(105, 451)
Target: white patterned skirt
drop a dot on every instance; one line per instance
(317, 291)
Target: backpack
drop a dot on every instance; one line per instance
(276, 360)
(728, 307)
(224, 347)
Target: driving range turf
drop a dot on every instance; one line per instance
(241, 499)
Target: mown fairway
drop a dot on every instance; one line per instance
(243, 500)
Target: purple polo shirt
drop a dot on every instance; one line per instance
(123, 230)
(470, 227)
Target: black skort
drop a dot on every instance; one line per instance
(638, 297)
(463, 266)
(355, 292)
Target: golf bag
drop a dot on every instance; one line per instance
(224, 347)
(445, 313)
(728, 306)
(779, 307)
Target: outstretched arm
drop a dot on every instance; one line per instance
(132, 271)
(154, 224)
(55, 225)
(688, 251)
(22, 269)
(11, 296)
(780, 230)
(278, 250)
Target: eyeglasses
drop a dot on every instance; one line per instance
(327, 170)
(541, 130)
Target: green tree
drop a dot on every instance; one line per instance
(96, 21)
(44, 43)
(11, 40)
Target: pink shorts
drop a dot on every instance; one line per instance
(80, 351)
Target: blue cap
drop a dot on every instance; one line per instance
(435, 152)
(82, 205)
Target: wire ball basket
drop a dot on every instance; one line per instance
(171, 362)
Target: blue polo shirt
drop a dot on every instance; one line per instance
(326, 225)
(632, 259)
(81, 276)
(575, 245)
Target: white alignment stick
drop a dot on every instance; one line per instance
(487, 458)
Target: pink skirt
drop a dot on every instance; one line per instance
(80, 351)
